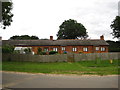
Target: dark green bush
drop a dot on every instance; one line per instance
(7, 49)
(53, 52)
(42, 53)
(27, 50)
(39, 51)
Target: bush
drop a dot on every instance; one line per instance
(39, 51)
(42, 53)
(7, 49)
(53, 52)
(27, 50)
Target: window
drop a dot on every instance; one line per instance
(74, 49)
(102, 48)
(63, 48)
(85, 49)
(55, 49)
(46, 49)
(97, 48)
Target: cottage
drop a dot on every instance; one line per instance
(65, 45)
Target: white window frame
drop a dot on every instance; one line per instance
(85, 49)
(63, 48)
(103, 48)
(97, 48)
(74, 49)
(55, 49)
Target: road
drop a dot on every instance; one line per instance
(27, 80)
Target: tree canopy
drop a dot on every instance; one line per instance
(6, 14)
(115, 26)
(114, 46)
(24, 37)
(71, 29)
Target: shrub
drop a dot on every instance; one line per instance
(42, 53)
(39, 51)
(27, 50)
(53, 52)
(7, 49)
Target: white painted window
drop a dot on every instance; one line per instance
(102, 48)
(74, 49)
(55, 49)
(63, 48)
(97, 48)
(85, 49)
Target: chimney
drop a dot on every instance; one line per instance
(51, 37)
(102, 37)
(0, 38)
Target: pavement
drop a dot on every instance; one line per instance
(29, 80)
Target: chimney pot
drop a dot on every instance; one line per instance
(0, 38)
(51, 37)
(102, 37)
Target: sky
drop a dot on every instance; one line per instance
(42, 18)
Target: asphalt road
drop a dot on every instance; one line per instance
(25, 80)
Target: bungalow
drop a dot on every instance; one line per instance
(65, 45)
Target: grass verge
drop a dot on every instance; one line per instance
(80, 68)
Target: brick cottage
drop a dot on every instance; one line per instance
(64, 45)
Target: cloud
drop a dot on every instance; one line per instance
(43, 17)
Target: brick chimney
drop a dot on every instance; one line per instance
(51, 37)
(102, 37)
(0, 38)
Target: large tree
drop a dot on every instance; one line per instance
(71, 29)
(115, 26)
(24, 37)
(6, 14)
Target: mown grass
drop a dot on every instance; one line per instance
(80, 68)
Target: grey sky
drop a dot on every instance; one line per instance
(43, 17)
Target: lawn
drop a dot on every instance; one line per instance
(80, 68)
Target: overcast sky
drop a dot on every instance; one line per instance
(43, 17)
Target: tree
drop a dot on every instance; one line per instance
(116, 27)
(34, 37)
(24, 37)
(6, 14)
(70, 29)
(114, 46)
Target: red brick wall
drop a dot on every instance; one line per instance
(91, 49)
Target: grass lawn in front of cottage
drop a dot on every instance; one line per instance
(80, 68)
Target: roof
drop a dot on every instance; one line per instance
(55, 42)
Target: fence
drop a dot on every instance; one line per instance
(60, 57)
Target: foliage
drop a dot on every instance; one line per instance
(114, 46)
(16, 51)
(39, 51)
(53, 52)
(27, 50)
(116, 27)
(7, 49)
(43, 53)
(6, 14)
(24, 37)
(71, 29)
(80, 68)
